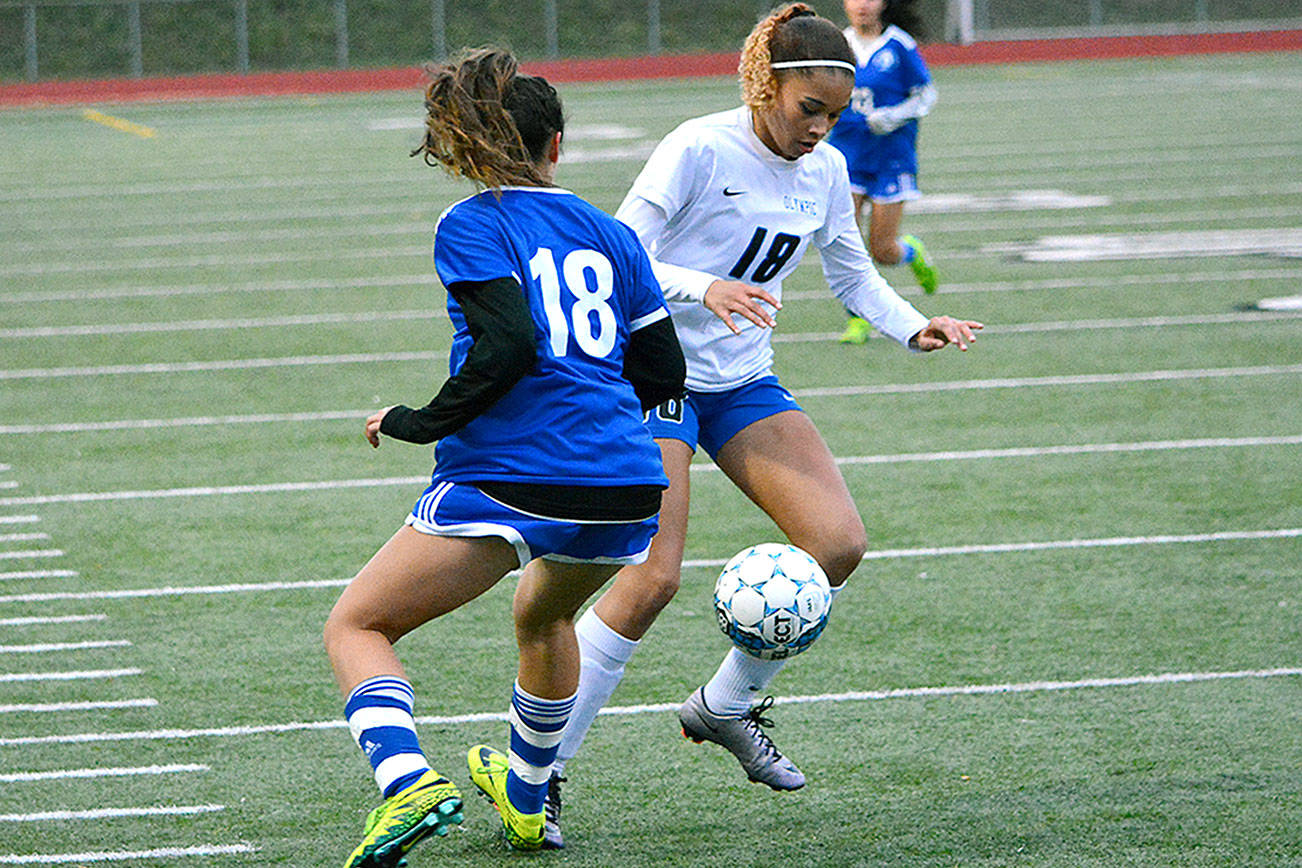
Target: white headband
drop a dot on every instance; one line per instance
(794, 64)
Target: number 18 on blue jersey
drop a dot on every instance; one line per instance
(574, 419)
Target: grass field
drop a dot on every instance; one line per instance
(1076, 639)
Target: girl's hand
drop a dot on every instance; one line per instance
(943, 330)
(373, 427)
(727, 297)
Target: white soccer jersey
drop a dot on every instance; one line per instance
(714, 202)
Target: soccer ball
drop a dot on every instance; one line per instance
(772, 600)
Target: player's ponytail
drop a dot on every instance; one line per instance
(903, 15)
(788, 35)
(487, 122)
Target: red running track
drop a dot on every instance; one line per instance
(615, 69)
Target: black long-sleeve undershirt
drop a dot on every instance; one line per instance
(503, 352)
(654, 363)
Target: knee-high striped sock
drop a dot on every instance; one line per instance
(536, 728)
(379, 712)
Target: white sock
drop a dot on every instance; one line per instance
(731, 692)
(602, 653)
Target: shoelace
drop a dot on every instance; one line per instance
(755, 719)
(552, 806)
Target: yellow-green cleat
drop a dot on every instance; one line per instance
(923, 271)
(488, 770)
(857, 331)
(431, 806)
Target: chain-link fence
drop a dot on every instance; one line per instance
(42, 39)
(979, 20)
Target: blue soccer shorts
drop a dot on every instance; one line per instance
(711, 419)
(886, 187)
(461, 510)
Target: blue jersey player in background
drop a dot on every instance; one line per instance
(543, 461)
(879, 134)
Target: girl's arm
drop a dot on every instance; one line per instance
(680, 283)
(890, 118)
(504, 350)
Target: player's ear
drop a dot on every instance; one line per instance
(554, 149)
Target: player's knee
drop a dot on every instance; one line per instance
(346, 623)
(842, 555)
(658, 583)
(660, 593)
(537, 621)
(334, 633)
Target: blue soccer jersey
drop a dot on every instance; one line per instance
(573, 419)
(888, 71)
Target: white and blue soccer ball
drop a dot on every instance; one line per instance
(772, 600)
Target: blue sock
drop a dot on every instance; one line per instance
(379, 712)
(536, 729)
(907, 251)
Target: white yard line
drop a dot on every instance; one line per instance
(1031, 216)
(84, 675)
(1052, 545)
(362, 317)
(1108, 282)
(109, 813)
(1037, 451)
(187, 422)
(270, 216)
(1039, 221)
(212, 490)
(35, 553)
(37, 574)
(62, 774)
(220, 365)
(217, 260)
(1055, 162)
(23, 537)
(848, 460)
(127, 855)
(883, 554)
(1244, 317)
(19, 519)
(63, 707)
(403, 206)
(49, 647)
(41, 620)
(174, 591)
(421, 230)
(173, 290)
(1037, 382)
(428, 280)
(128, 328)
(116, 192)
(997, 689)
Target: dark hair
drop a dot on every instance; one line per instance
(793, 32)
(486, 121)
(902, 14)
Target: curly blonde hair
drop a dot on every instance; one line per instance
(487, 122)
(791, 32)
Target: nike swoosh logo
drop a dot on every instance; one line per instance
(728, 192)
(705, 723)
